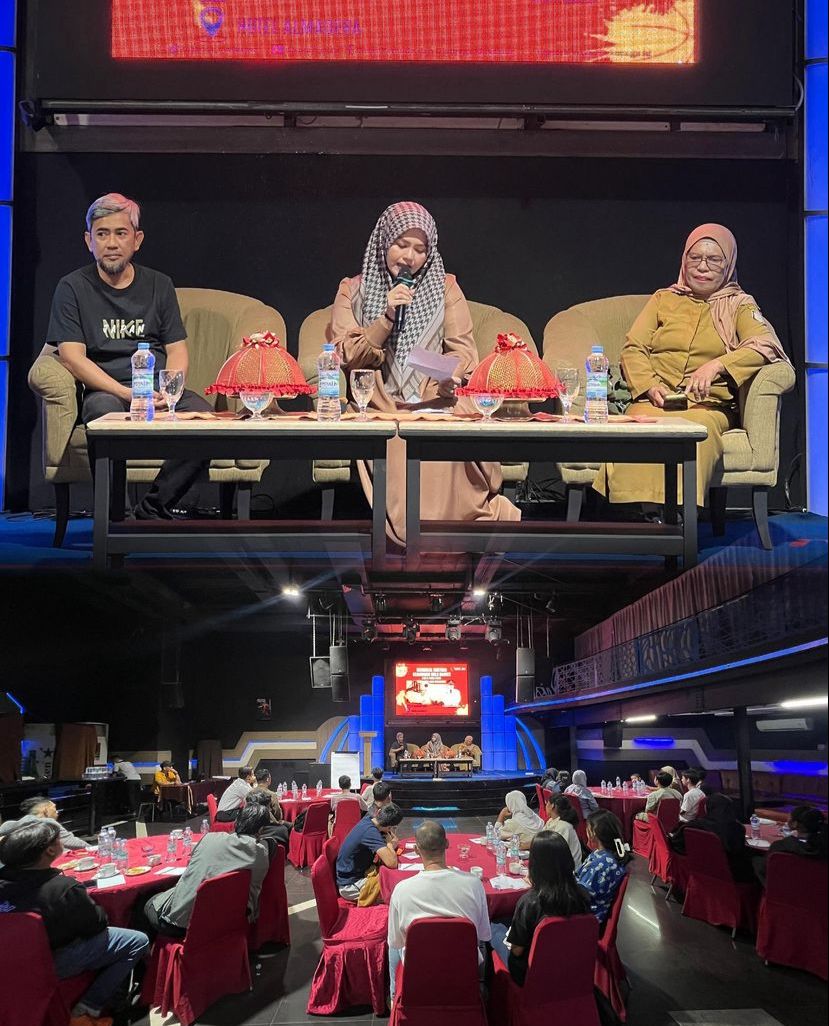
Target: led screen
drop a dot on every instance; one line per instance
(499, 32)
(440, 690)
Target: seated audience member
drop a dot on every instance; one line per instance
(807, 838)
(603, 870)
(435, 892)
(549, 780)
(277, 831)
(346, 794)
(694, 794)
(518, 818)
(382, 796)
(263, 783)
(233, 798)
(636, 778)
(132, 778)
(664, 789)
(676, 783)
(398, 749)
(721, 819)
(76, 927)
(553, 892)
(216, 853)
(562, 820)
(165, 774)
(372, 839)
(44, 808)
(563, 780)
(468, 749)
(368, 794)
(579, 788)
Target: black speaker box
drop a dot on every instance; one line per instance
(339, 687)
(338, 660)
(524, 688)
(612, 735)
(525, 662)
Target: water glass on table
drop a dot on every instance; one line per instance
(362, 388)
(486, 404)
(568, 378)
(171, 385)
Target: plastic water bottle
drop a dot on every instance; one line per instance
(595, 395)
(514, 848)
(205, 826)
(490, 836)
(187, 842)
(171, 848)
(103, 845)
(604, 787)
(319, 789)
(294, 790)
(755, 826)
(328, 387)
(618, 783)
(304, 791)
(624, 785)
(142, 406)
(500, 857)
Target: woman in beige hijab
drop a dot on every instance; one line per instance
(364, 326)
(703, 336)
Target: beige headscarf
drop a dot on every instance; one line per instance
(523, 818)
(726, 301)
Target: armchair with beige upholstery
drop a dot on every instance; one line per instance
(215, 323)
(751, 452)
(487, 323)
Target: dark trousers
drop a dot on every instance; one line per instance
(228, 816)
(175, 476)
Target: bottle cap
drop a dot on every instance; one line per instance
(143, 345)
(329, 347)
(597, 349)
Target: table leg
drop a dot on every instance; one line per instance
(378, 516)
(100, 529)
(671, 508)
(689, 513)
(119, 489)
(412, 508)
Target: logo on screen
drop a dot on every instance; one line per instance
(431, 689)
(209, 16)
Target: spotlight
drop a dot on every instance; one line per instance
(380, 604)
(494, 631)
(369, 630)
(479, 593)
(410, 631)
(291, 591)
(453, 629)
(816, 702)
(435, 603)
(495, 603)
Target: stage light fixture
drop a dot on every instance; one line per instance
(291, 591)
(494, 631)
(410, 631)
(454, 630)
(435, 603)
(369, 630)
(380, 603)
(550, 607)
(479, 593)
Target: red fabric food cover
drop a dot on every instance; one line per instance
(261, 365)
(513, 371)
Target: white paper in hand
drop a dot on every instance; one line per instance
(433, 365)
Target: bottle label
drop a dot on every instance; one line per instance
(596, 389)
(329, 384)
(142, 382)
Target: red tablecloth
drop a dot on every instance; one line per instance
(291, 808)
(768, 832)
(118, 901)
(623, 804)
(501, 904)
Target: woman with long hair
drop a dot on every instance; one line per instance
(563, 820)
(553, 892)
(603, 870)
(807, 837)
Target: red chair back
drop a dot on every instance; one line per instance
(661, 855)
(325, 893)
(792, 927)
(548, 973)
(219, 911)
(212, 807)
(581, 827)
(797, 881)
(439, 978)
(331, 849)
(706, 855)
(608, 938)
(272, 922)
(346, 816)
(667, 812)
(541, 794)
(316, 819)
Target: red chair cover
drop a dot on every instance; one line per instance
(271, 925)
(664, 862)
(30, 992)
(346, 816)
(438, 985)
(330, 850)
(556, 990)
(667, 812)
(215, 826)
(712, 894)
(542, 794)
(792, 926)
(610, 976)
(642, 841)
(581, 828)
(353, 968)
(305, 846)
(187, 976)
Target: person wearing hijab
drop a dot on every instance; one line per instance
(676, 783)
(434, 747)
(367, 331)
(703, 336)
(518, 818)
(586, 798)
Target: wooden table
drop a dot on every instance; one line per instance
(462, 761)
(114, 439)
(670, 442)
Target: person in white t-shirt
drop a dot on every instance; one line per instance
(233, 798)
(436, 891)
(689, 810)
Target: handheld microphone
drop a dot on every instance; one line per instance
(404, 278)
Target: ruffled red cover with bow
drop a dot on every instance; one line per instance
(513, 371)
(261, 365)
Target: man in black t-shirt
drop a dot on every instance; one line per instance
(99, 315)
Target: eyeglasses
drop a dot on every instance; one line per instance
(714, 262)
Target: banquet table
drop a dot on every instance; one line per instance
(624, 804)
(769, 832)
(119, 899)
(291, 807)
(501, 904)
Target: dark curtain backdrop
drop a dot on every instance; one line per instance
(532, 236)
(76, 744)
(11, 738)
(209, 758)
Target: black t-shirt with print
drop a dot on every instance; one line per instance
(111, 322)
(525, 920)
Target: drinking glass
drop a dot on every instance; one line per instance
(463, 852)
(486, 404)
(362, 388)
(171, 385)
(568, 378)
(256, 402)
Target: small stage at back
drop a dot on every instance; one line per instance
(482, 794)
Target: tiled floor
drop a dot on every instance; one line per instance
(683, 973)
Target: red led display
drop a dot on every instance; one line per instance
(431, 689)
(442, 31)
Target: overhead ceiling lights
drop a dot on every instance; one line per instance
(410, 631)
(369, 630)
(454, 630)
(816, 702)
(291, 591)
(640, 719)
(494, 631)
(479, 593)
(435, 603)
